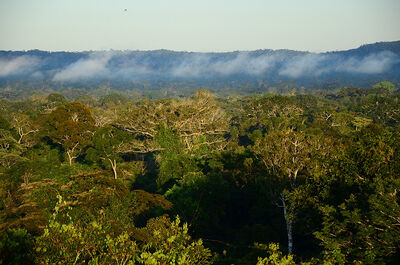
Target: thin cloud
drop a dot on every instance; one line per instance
(375, 63)
(243, 63)
(193, 66)
(115, 65)
(317, 64)
(92, 67)
(304, 65)
(24, 64)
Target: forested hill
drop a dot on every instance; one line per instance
(245, 71)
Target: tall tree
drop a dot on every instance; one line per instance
(109, 143)
(198, 122)
(25, 128)
(285, 154)
(10, 150)
(71, 126)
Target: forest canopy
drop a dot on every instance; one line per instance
(202, 179)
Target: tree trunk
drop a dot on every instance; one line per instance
(289, 225)
(70, 158)
(21, 134)
(70, 153)
(114, 167)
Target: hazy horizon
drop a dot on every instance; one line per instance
(196, 26)
(189, 51)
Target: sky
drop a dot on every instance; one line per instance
(196, 25)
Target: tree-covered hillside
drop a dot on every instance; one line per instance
(163, 73)
(263, 179)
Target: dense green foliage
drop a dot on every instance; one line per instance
(272, 179)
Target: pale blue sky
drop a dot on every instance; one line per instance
(201, 25)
